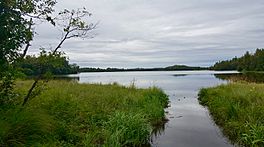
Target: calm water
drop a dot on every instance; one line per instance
(190, 124)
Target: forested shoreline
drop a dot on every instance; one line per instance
(33, 65)
(248, 62)
(169, 68)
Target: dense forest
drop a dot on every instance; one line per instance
(248, 62)
(57, 64)
(169, 68)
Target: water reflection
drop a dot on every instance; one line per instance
(256, 77)
(67, 78)
(59, 77)
(180, 75)
(158, 129)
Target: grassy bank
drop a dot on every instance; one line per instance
(72, 114)
(239, 109)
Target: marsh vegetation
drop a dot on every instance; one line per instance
(72, 114)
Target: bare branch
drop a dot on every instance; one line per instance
(76, 26)
(30, 91)
(61, 42)
(28, 41)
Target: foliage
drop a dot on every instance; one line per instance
(72, 114)
(6, 89)
(14, 31)
(248, 62)
(46, 62)
(239, 109)
(15, 26)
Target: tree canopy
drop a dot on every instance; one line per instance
(56, 64)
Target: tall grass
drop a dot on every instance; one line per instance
(20, 127)
(124, 129)
(73, 114)
(239, 109)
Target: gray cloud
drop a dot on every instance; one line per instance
(156, 33)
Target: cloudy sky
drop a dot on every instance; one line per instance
(158, 33)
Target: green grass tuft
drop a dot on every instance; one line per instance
(22, 127)
(127, 129)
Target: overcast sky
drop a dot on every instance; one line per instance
(158, 33)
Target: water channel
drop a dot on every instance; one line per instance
(189, 124)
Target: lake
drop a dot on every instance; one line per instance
(190, 124)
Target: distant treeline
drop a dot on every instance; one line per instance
(169, 68)
(248, 62)
(59, 65)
